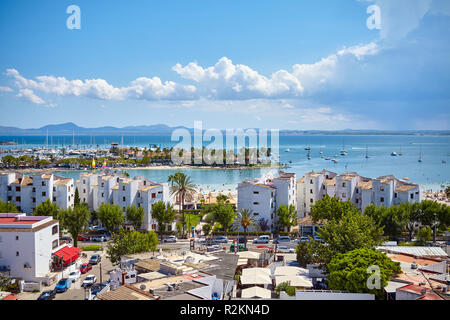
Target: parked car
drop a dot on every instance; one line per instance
(96, 258)
(170, 239)
(241, 240)
(63, 285)
(285, 249)
(220, 239)
(85, 268)
(97, 287)
(82, 238)
(214, 247)
(98, 238)
(302, 239)
(241, 247)
(282, 239)
(74, 275)
(89, 281)
(47, 295)
(67, 239)
(262, 239)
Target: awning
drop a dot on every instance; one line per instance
(68, 254)
(256, 292)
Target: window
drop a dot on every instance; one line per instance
(55, 244)
(124, 199)
(34, 189)
(18, 189)
(311, 200)
(395, 195)
(357, 190)
(9, 188)
(17, 199)
(381, 199)
(43, 183)
(381, 188)
(54, 189)
(43, 193)
(103, 194)
(84, 190)
(54, 230)
(17, 253)
(255, 203)
(310, 190)
(145, 183)
(54, 199)
(9, 198)
(84, 181)
(256, 214)
(344, 195)
(343, 184)
(123, 188)
(357, 200)
(69, 199)
(412, 195)
(103, 184)
(255, 192)
(153, 195)
(17, 237)
(310, 181)
(323, 187)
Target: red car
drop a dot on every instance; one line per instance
(263, 246)
(82, 238)
(85, 268)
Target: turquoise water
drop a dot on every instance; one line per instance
(431, 173)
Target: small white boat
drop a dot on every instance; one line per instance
(394, 154)
(327, 158)
(287, 150)
(308, 148)
(335, 160)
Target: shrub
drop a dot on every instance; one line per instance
(94, 247)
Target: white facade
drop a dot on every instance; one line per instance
(28, 192)
(95, 189)
(265, 197)
(385, 190)
(27, 244)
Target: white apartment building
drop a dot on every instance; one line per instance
(27, 244)
(28, 192)
(362, 191)
(95, 189)
(264, 196)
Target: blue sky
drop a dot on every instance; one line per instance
(284, 64)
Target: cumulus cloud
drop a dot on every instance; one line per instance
(29, 95)
(226, 80)
(6, 89)
(141, 88)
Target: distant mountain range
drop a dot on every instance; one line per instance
(70, 128)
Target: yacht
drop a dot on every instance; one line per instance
(335, 160)
(343, 151)
(394, 154)
(287, 150)
(327, 158)
(308, 148)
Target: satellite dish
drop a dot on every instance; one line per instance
(143, 287)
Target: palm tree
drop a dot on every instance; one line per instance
(183, 188)
(245, 219)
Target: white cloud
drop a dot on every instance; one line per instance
(30, 96)
(141, 88)
(6, 89)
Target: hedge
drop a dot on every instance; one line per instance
(93, 247)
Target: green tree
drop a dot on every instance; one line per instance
(8, 207)
(182, 188)
(424, 235)
(5, 281)
(75, 220)
(286, 287)
(329, 208)
(48, 209)
(76, 200)
(164, 214)
(111, 216)
(245, 219)
(206, 228)
(135, 216)
(129, 243)
(351, 271)
(286, 217)
(223, 214)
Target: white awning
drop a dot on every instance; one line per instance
(295, 281)
(256, 292)
(286, 271)
(256, 276)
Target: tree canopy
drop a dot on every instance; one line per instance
(129, 243)
(356, 271)
(286, 217)
(47, 208)
(75, 219)
(111, 216)
(135, 216)
(8, 207)
(164, 214)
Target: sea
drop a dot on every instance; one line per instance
(432, 173)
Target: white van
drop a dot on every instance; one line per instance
(262, 239)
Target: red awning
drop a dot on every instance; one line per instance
(68, 254)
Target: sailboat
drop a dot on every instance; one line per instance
(420, 158)
(308, 148)
(394, 154)
(343, 151)
(367, 153)
(400, 153)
